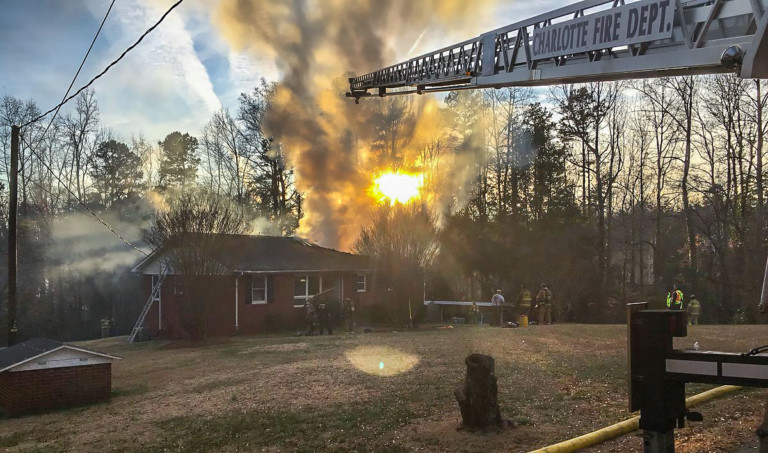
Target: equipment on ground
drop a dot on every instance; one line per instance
(592, 40)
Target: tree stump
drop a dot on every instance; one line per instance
(762, 433)
(478, 396)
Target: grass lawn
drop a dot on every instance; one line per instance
(382, 392)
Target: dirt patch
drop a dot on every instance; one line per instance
(276, 348)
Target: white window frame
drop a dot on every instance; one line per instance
(254, 280)
(306, 289)
(365, 283)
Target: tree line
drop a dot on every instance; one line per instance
(608, 192)
(75, 169)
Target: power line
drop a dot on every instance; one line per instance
(149, 30)
(90, 211)
(82, 63)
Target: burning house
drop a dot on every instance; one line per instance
(264, 287)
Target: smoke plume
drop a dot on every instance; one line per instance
(82, 245)
(314, 44)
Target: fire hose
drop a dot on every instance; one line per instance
(627, 426)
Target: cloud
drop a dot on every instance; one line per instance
(162, 85)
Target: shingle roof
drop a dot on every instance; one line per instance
(280, 254)
(26, 350)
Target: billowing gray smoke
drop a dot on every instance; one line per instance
(314, 43)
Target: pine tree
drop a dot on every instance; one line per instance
(178, 169)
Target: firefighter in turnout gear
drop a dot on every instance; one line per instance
(497, 301)
(474, 313)
(544, 305)
(523, 303)
(694, 310)
(310, 317)
(350, 313)
(675, 299)
(324, 317)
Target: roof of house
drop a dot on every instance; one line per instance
(36, 347)
(264, 254)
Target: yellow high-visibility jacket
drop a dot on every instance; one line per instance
(525, 299)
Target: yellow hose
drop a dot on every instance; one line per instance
(627, 426)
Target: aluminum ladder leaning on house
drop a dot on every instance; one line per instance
(155, 292)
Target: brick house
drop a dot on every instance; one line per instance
(42, 374)
(267, 282)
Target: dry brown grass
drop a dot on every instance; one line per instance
(330, 394)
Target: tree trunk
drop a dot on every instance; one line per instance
(762, 433)
(478, 396)
(759, 151)
(688, 96)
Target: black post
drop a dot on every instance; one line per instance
(12, 215)
(764, 295)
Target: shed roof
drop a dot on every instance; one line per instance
(34, 348)
(247, 253)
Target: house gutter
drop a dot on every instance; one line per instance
(300, 271)
(627, 426)
(237, 305)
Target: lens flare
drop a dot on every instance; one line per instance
(397, 187)
(381, 360)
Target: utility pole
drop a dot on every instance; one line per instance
(12, 215)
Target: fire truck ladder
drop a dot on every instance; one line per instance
(605, 40)
(593, 40)
(154, 293)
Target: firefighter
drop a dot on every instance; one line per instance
(675, 299)
(310, 316)
(350, 309)
(474, 313)
(324, 317)
(544, 305)
(523, 303)
(693, 310)
(498, 307)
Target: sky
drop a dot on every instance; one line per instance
(175, 79)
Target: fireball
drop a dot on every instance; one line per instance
(397, 187)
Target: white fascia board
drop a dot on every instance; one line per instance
(141, 263)
(65, 346)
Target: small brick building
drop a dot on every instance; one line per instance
(42, 374)
(265, 287)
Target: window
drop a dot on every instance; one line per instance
(360, 283)
(259, 289)
(305, 286)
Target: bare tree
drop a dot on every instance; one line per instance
(189, 236)
(677, 99)
(402, 240)
(81, 129)
(510, 158)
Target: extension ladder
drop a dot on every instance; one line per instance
(140, 322)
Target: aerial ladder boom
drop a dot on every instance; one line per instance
(593, 40)
(604, 40)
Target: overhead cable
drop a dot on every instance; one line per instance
(125, 52)
(82, 203)
(82, 63)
